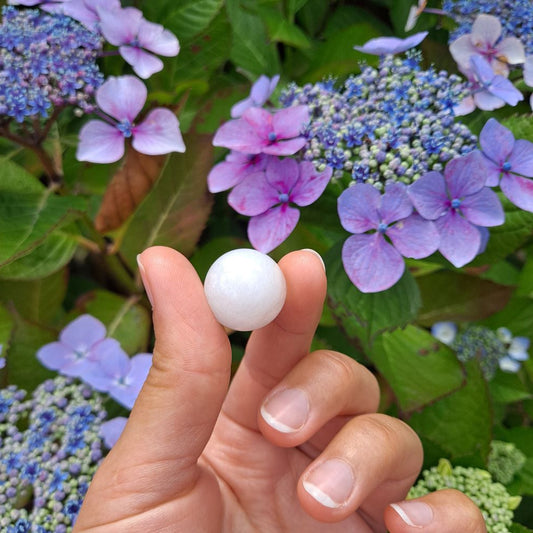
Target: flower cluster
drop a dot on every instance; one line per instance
(395, 122)
(493, 349)
(51, 448)
(493, 500)
(46, 62)
(504, 461)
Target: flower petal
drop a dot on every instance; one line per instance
(122, 97)
(358, 208)
(100, 142)
(496, 141)
(414, 237)
(486, 101)
(83, 332)
(289, 147)
(372, 264)
(518, 348)
(486, 30)
(521, 158)
(239, 135)
(269, 230)
(253, 196)
(459, 240)
(54, 355)
(143, 63)
(159, 133)
(282, 174)
(511, 50)
(395, 204)
(445, 332)
(157, 39)
(504, 89)
(465, 175)
(528, 71)
(508, 364)
(391, 45)
(110, 430)
(462, 50)
(225, 175)
(120, 26)
(428, 194)
(289, 122)
(240, 107)
(519, 191)
(311, 184)
(483, 208)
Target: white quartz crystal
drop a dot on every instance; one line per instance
(245, 289)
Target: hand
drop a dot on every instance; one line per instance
(295, 443)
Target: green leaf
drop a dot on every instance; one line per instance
(312, 16)
(521, 126)
(525, 281)
(175, 211)
(507, 388)
(281, 30)
(517, 316)
(460, 424)
(418, 369)
(459, 297)
(125, 320)
(523, 481)
(48, 257)
(37, 300)
(251, 50)
(364, 316)
(519, 528)
(293, 6)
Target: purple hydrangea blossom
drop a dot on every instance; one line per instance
(391, 45)
(458, 202)
(122, 99)
(373, 263)
(259, 131)
(489, 91)
(86, 11)
(75, 352)
(267, 197)
(485, 41)
(509, 163)
(117, 374)
(111, 430)
(517, 350)
(234, 169)
(138, 39)
(259, 95)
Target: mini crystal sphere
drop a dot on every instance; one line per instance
(245, 289)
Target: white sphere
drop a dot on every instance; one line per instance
(245, 289)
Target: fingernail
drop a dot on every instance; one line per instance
(286, 410)
(316, 253)
(144, 279)
(414, 513)
(331, 483)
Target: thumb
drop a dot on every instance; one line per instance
(443, 511)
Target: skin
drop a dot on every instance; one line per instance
(197, 454)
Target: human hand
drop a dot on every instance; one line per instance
(295, 443)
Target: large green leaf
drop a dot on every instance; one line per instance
(461, 423)
(363, 316)
(458, 297)
(124, 318)
(517, 316)
(281, 30)
(521, 126)
(418, 369)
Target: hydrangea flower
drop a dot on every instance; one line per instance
(458, 202)
(485, 41)
(259, 131)
(267, 197)
(504, 461)
(494, 502)
(259, 95)
(75, 352)
(517, 350)
(138, 39)
(86, 11)
(234, 169)
(391, 45)
(122, 99)
(372, 262)
(111, 430)
(489, 91)
(445, 332)
(512, 160)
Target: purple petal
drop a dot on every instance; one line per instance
(391, 45)
(282, 174)
(486, 101)
(239, 135)
(54, 355)
(511, 50)
(395, 204)
(260, 120)
(285, 147)
(155, 38)
(459, 240)
(109, 363)
(504, 89)
(518, 348)
(414, 237)
(486, 30)
(358, 208)
(372, 264)
(120, 26)
(528, 71)
(83, 332)
(483, 208)
(253, 196)
(521, 158)
(269, 230)
(159, 133)
(110, 430)
(485, 235)
(508, 364)
(310, 185)
(100, 142)
(260, 91)
(462, 50)
(428, 194)
(482, 70)
(224, 176)
(466, 106)
(289, 122)
(465, 175)
(518, 190)
(241, 106)
(143, 63)
(127, 395)
(496, 141)
(122, 98)
(493, 174)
